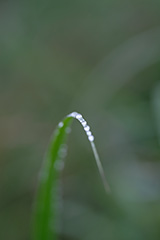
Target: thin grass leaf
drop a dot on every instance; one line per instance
(45, 210)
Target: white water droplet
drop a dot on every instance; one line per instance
(81, 120)
(60, 124)
(73, 114)
(91, 138)
(78, 116)
(84, 123)
(87, 128)
(89, 133)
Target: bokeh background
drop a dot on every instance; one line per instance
(100, 58)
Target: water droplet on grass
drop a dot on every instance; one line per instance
(89, 133)
(78, 116)
(91, 138)
(81, 120)
(74, 114)
(84, 123)
(87, 128)
(60, 124)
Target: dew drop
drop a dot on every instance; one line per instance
(89, 133)
(73, 114)
(81, 120)
(91, 138)
(84, 123)
(78, 116)
(60, 124)
(87, 128)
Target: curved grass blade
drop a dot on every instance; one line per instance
(45, 211)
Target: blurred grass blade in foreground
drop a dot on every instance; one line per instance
(45, 210)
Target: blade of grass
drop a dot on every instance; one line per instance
(45, 210)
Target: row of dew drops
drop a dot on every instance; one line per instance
(59, 164)
(83, 122)
(63, 150)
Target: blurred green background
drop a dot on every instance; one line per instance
(100, 58)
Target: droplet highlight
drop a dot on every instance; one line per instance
(60, 124)
(84, 123)
(89, 133)
(78, 116)
(91, 138)
(87, 128)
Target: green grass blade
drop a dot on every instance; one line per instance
(45, 211)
